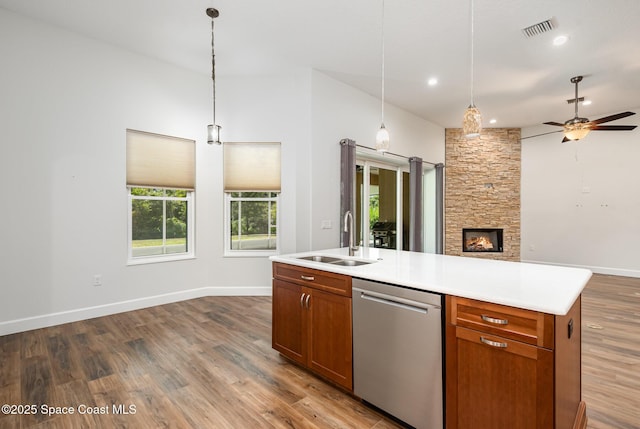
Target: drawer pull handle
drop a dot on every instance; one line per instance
(493, 320)
(302, 300)
(308, 278)
(493, 343)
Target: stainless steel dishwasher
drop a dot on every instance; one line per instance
(397, 351)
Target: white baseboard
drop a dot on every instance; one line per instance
(598, 270)
(52, 319)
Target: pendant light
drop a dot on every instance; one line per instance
(382, 136)
(472, 120)
(213, 130)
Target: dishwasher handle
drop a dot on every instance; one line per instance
(396, 301)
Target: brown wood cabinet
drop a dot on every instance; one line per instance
(312, 320)
(512, 368)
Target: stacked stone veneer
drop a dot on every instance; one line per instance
(482, 188)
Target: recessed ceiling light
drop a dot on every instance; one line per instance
(586, 103)
(432, 81)
(560, 40)
(492, 121)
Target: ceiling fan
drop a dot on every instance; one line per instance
(578, 128)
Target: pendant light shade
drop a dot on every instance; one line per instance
(382, 139)
(213, 130)
(382, 136)
(213, 134)
(472, 120)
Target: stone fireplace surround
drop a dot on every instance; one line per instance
(482, 189)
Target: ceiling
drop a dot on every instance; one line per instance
(519, 81)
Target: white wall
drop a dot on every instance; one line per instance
(581, 200)
(340, 111)
(66, 103)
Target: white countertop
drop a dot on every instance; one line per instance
(547, 288)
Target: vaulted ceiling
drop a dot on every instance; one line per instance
(520, 81)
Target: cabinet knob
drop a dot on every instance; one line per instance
(493, 320)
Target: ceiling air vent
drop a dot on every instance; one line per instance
(539, 28)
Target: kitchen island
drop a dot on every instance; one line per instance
(511, 333)
(545, 288)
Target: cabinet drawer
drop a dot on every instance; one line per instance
(528, 326)
(323, 280)
(499, 383)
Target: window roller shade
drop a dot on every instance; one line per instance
(251, 167)
(158, 161)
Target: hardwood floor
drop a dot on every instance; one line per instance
(204, 363)
(208, 363)
(611, 352)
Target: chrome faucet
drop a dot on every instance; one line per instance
(348, 227)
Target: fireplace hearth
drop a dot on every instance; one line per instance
(482, 240)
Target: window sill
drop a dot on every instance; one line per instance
(249, 253)
(159, 259)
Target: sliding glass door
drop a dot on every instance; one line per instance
(382, 205)
(397, 201)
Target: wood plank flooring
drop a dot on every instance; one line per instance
(611, 352)
(208, 363)
(204, 363)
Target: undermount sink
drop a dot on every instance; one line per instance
(336, 261)
(351, 262)
(320, 258)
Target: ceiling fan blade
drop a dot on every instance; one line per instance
(613, 127)
(612, 117)
(557, 124)
(543, 134)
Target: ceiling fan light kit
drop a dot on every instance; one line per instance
(577, 130)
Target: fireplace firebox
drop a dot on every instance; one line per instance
(482, 240)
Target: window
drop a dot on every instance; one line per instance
(252, 222)
(160, 222)
(252, 192)
(161, 188)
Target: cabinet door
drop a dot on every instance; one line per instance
(289, 320)
(499, 383)
(330, 342)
